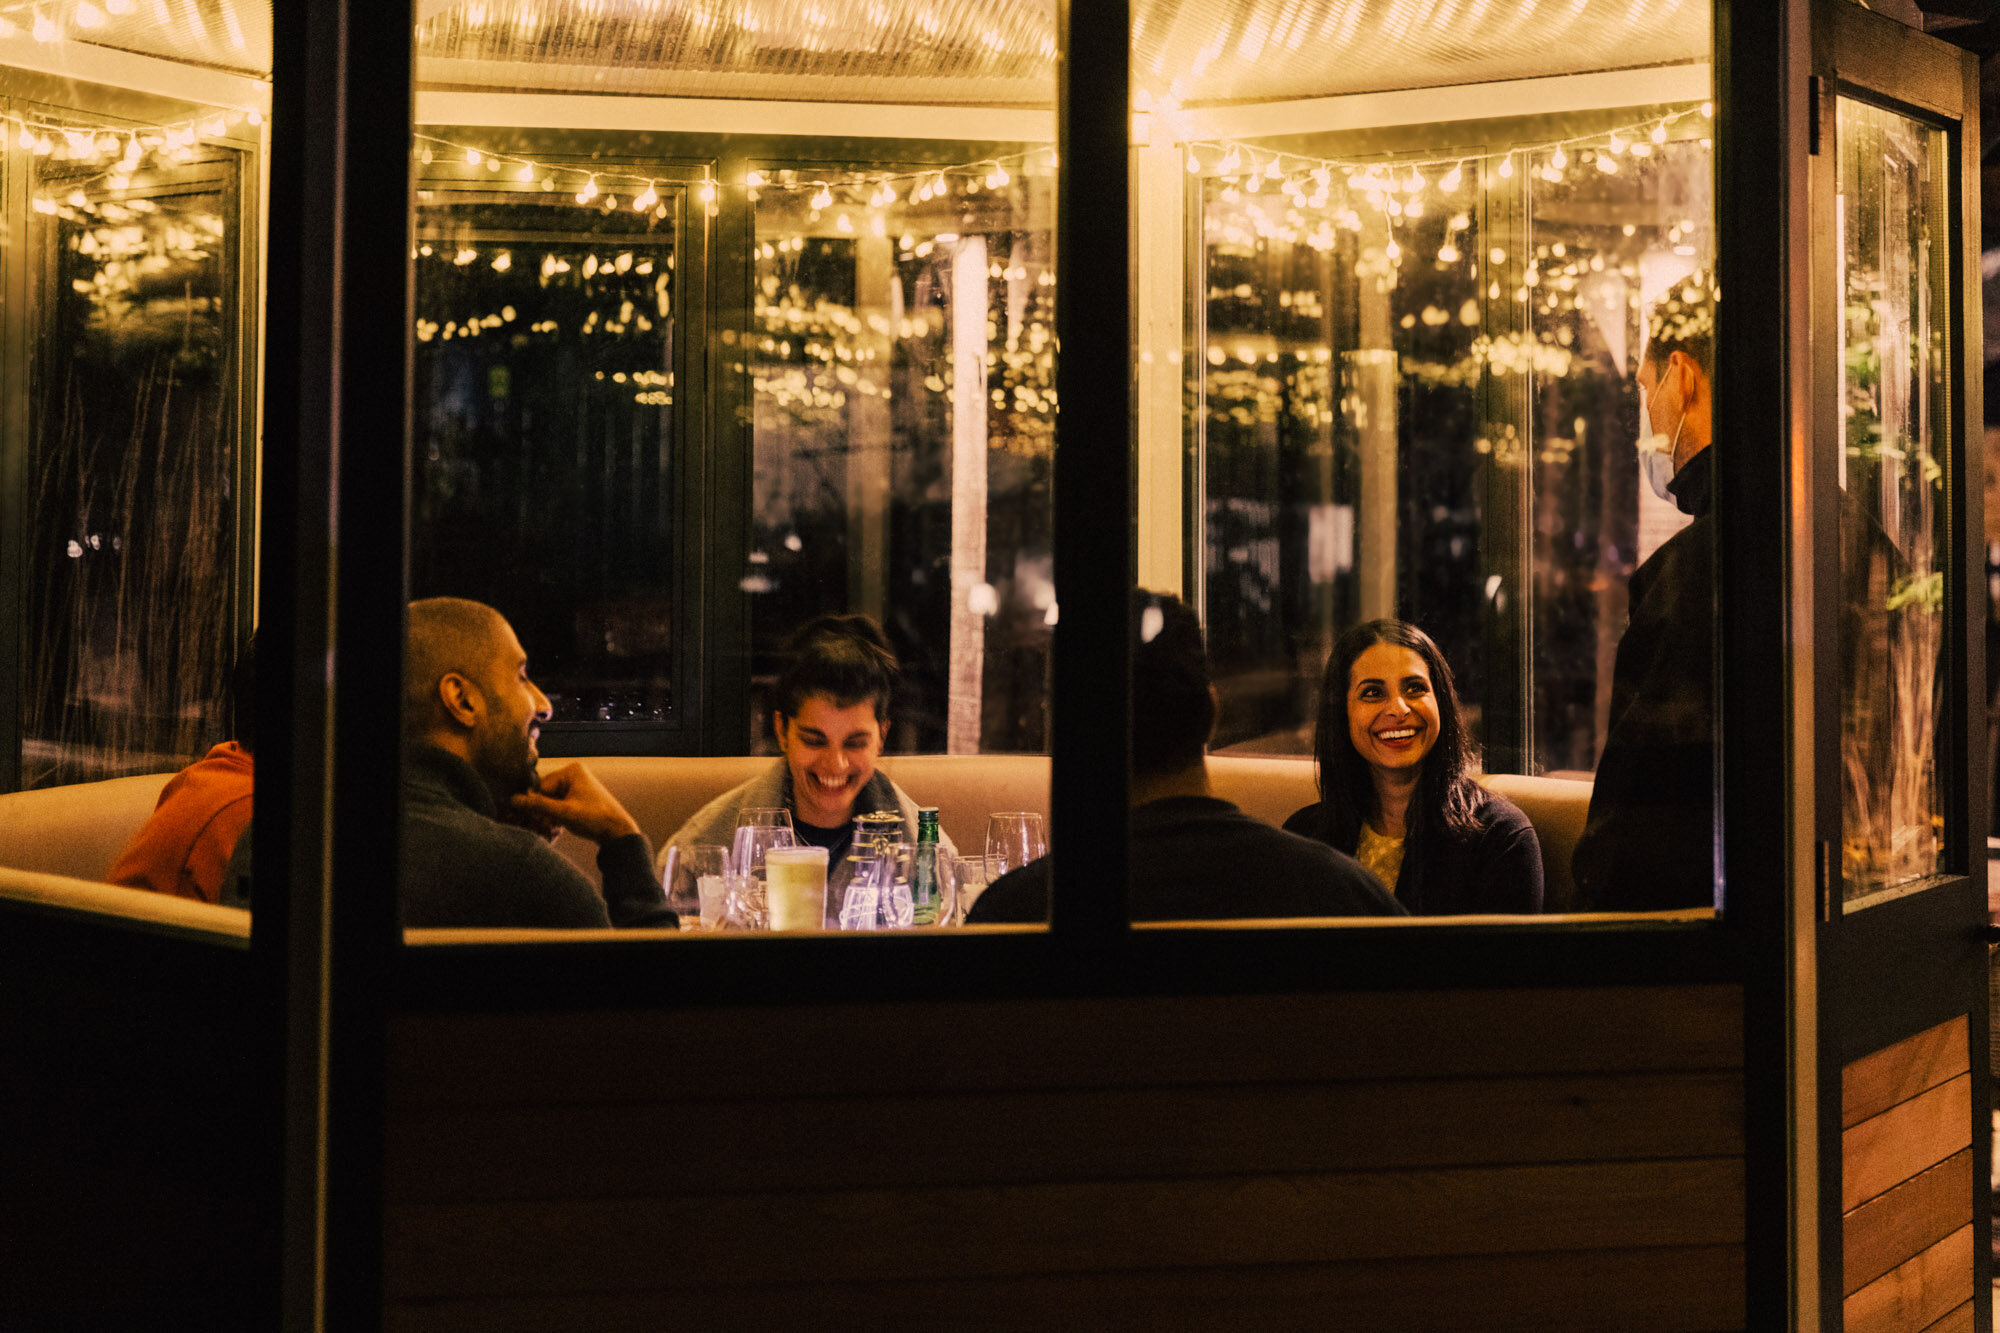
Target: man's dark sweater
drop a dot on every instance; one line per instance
(1199, 858)
(462, 867)
(1649, 840)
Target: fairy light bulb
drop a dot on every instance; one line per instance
(1708, 111)
(1452, 179)
(1321, 176)
(526, 173)
(473, 157)
(1272, 171)
(25, 140)
(844, 225)
(1607, 164)
(45, 30)
(1559, 159)
(1193, 163)
(88, 15)
(999, 177)
(1414, 182)
(823, 199)
(754, 179)
(1617, 144)
(1448, 253)
(707, 191)
(1659, 134)
(1230, 161)
(1506, 168)
(588, 192)
(1394, 251)
(646, 199)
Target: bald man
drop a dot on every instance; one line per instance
(477, 814)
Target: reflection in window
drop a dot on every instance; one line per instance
(1892, 219)
(543, 411)
(133, 456)
(904, 359)
(1417, 399)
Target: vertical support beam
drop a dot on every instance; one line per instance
(1091, 674)
(870, 442)
(1370, 380)
(15, 265)
(332, 577)
(966, 688)
(1158, 287)
(1764, 601)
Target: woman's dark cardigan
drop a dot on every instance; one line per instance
(1497, 869)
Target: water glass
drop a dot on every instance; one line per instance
(964, 879)
(1014, 838)
(682, 869)
(752, 841)
(745, 906)
(764, 814)
(713, 892)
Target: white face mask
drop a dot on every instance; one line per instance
(1656, 452)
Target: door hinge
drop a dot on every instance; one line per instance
(1813, 93)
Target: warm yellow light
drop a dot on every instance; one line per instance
(1659, 134)
(473, 157)
(1506, 169)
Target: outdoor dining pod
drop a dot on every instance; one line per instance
(1765, 1109)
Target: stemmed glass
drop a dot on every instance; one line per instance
(746, 860)
(1014, 838)
(764, 814)
(681, 870)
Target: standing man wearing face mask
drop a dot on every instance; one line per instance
(1648, 842)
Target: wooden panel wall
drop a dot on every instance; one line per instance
(1906, 1184)
(1523, 1159)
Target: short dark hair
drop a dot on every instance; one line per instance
(243, 697)
(1683, 320)
(846, 658)
(445, 635)
(1447, 799)
(1173, 702)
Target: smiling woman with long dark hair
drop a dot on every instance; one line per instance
(1396, 787)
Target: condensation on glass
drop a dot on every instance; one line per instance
(1893, 249)
(1394, 369)
(129, 431)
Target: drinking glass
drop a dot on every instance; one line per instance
(964, 878)
(795, 887)
(682, 869)
(714, 891)
(1014, 838)
(746, 857)
(764, 814)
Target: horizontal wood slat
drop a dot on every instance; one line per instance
(1958, 1321)
(1892, 1227)
(1916, 1293)
(447, 1154)
(1884, 1150)
(782, 1051)
(1668, 1290)
(456, 1250)
(1874, 1083)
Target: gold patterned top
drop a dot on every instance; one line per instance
(1381, 855)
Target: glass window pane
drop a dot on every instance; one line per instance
(543, 396)
(129, 443)
(743, 428)
(1417, 347)
(1893, 220)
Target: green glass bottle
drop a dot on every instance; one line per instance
(923, 873)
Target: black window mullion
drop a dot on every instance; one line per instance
(1090, 687)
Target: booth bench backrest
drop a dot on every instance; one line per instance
(79, 830)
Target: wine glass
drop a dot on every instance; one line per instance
(1014, 838)
(681, 869)
(764, 814)
(746, 857)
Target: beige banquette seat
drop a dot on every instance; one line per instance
(67, 834)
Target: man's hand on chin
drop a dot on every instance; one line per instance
(543, 827)
(573, 798)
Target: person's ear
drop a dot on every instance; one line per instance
(1214, 715)
(460, 699)
(882, 724)
(778, 723)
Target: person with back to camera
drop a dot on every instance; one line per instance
(1395, 783)
(1194, 855)
(831, 719)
